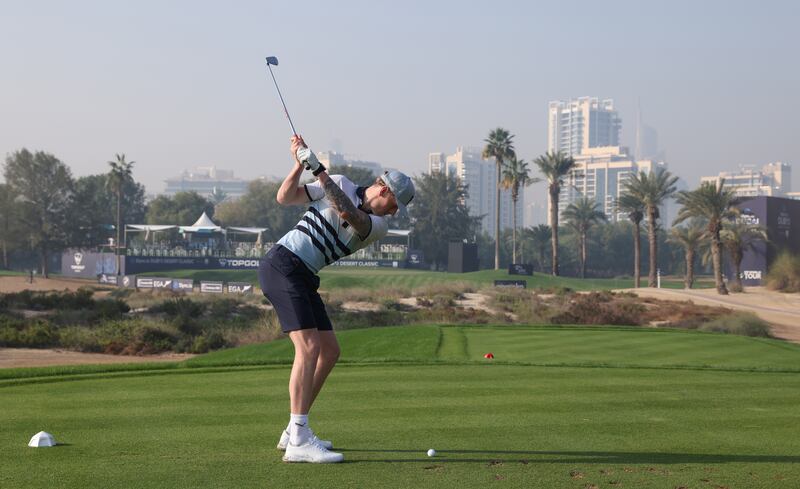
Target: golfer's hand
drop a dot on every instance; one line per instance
(297, 143)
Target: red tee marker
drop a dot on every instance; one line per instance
(488, 355)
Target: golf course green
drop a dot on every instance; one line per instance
(558, 407)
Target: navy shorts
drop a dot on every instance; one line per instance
(292, 289)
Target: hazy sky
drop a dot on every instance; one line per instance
(179, 84)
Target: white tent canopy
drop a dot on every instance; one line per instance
(203, 225)
(399, 232)
(148, 227)
(246, 230)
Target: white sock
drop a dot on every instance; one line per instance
(299, 433)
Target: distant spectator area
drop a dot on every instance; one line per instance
(206, 239)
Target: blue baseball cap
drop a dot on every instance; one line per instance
(401, 186)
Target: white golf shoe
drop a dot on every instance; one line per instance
(284, 441)
(311, 452)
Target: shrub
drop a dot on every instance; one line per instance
(740, 323)
(45, 301)
(206, 342)
(179, 306)
(15, 333)
(784, 273)
(600, 308)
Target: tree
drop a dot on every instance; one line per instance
(652, 189)
(182, 209)
(119, 174)
(516, 176)
(9, 220)
(44, 185)
(634, 208)
(738, 237)
(93, 209)
(714, 204)
(439, 215)
(499, 145)
(582, 215)
(540, 238)
(690, 238)
(554, 167)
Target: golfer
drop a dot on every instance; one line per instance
(342, 218)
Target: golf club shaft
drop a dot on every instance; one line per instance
(285, 111)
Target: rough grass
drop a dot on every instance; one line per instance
(689, 410)
(784, 273)
(739, 323)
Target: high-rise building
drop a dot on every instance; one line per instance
(600, 174)
(207, 181)
(772, 180)
(578, 125)
(535, 214)
(437, 163)
(480, 176)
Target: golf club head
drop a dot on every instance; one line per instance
(272, 60)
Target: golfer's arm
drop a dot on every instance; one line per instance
(291, 193)
(345, 207)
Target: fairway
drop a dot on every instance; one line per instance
(558, 408)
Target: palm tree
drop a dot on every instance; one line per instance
(499, 145)
(581, 215)
(218, 195)
(634, 208)
(118, 176)
(690, 238)
(714, 204)
(739, 237)
(516, 176)
(554, 167)
(540, 236)
(652, 189)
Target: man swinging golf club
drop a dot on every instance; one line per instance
(341, 219)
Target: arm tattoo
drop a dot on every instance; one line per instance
(342, 203)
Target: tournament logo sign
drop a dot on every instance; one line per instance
(240, 288)
(77, 267)
(784, 222)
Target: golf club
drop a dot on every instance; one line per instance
(272, 60)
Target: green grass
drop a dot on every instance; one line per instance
(559, 407)
(345, 277)
(11, 273)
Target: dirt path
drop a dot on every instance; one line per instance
(28, 357)
(782, 311)
(20, 283)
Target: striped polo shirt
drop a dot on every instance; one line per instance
(322, 237)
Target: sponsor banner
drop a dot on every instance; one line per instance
(370, 263)
(519, 284)
(183, 284)
(211, 287)
(127, 281)
(162, 283)
(416, 259)
(105, 278)
(87, 264)
(238, 263)
(144, 282)
(520, 269)
(140, 264)
(240, 288)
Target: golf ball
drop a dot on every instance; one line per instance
(431, 452)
